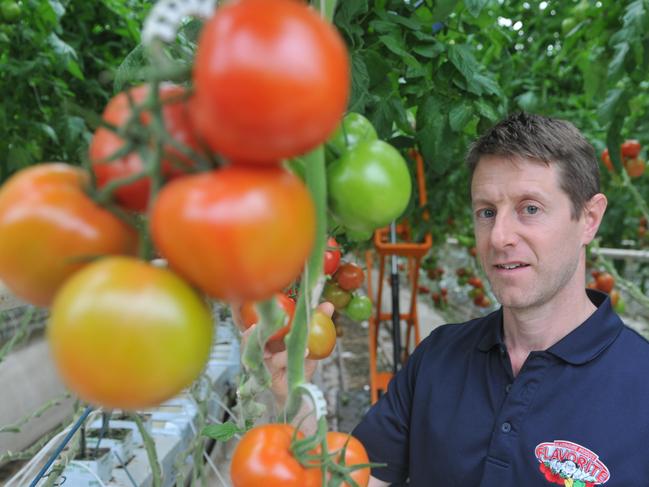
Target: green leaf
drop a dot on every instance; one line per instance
(430, 51)
(49, 131)
(617, 63)
(486, 110)
(527, 101)
(609, 108)
(61, 48)
(360, 84)
(221, 432)
(347, 12)
(405, 21)
(460, 115)
(57, 8)
(397, 46)
(75, 70)
(475, 6)
(443, 9)
(464, 61)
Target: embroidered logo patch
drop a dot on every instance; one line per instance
(571, 465)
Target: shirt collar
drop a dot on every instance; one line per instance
(581, 345)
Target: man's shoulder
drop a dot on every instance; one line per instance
(634, 342)
(463, 332)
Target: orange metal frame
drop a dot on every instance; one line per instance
(414, 251)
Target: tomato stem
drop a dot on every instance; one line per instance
(296, 340)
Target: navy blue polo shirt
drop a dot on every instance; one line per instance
(576, 415)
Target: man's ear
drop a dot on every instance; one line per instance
(593, 214)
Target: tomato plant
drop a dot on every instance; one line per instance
(369, 186)
(349, 276)
(353, 129)
(105, 142)
(263, 458)
(355, 454)
(49, 229)
(10, 11)
(331, 256)
(322, 336)
(359, 308)
(125, 334)
(270, 83)
(239, 233)
(336, 295)
(630, 148)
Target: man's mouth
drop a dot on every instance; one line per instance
(510, 266)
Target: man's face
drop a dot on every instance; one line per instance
(528, 244)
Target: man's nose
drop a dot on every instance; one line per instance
(504, 232)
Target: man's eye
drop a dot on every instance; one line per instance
(486, 213)
(531, 209)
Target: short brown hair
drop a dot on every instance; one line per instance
(549, 140)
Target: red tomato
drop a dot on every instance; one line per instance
(476, 282)
(263, 458)
(270, 83)
(322, 336)
(127, 335)
(355, 454)
(630, 148)
(238, 233)
(49, 229)
(331, 257)
(635, 167)
(605, 282)
(135, 196)
(249, 315)
(606, 159)
(349, 276)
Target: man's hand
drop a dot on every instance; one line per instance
(277, 361)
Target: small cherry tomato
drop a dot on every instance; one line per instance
(349, 276)
(359, 308)
(331, 257)
(630, 148)
(336, 296)
(322, 336)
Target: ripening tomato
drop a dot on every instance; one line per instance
(355, 454)
(349, 276)
(335, 295)
(606, 159)
(635, 167)
(331, 256)
(353, 129)
(369, 186)
(249, 315)
(322, 336)
(630, 148)
(238, 233)
(263, 458)
(125, 334)
(49, 229)
(605, 282)
(135, 196)
(271, 82)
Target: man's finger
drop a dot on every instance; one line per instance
(327, 308)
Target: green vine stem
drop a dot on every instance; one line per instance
(19, 334)
(152, 454)
(640, 201)
(296, 340)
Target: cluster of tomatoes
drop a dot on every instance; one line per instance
(477, 291)
(631, 160)
(605, 282)
(342, 287)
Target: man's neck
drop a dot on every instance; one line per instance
(538, 328)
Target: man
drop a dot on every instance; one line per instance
(552, 389)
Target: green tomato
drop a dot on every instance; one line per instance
(359, 235)
(10, 10)
(354, 128)
(620, 306)
(359, 308)
(369, 186)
